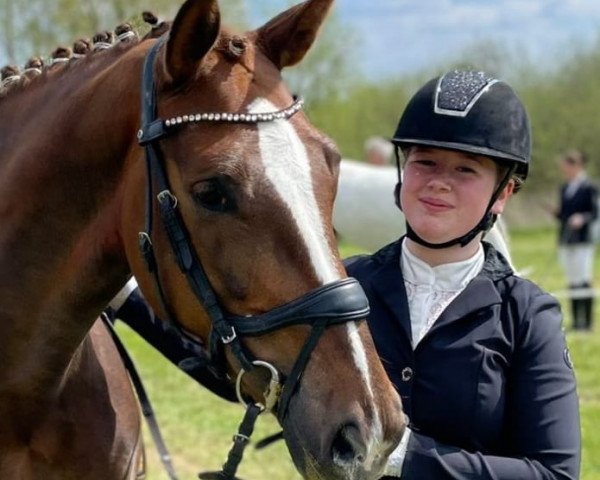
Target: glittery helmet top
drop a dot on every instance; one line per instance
(472, 112)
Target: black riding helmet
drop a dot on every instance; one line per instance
(470, 112)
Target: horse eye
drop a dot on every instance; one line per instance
(214, 195)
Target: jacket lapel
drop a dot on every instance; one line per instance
(480, 293)
(388, 284)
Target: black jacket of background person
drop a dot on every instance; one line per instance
(489, 390)
(583, 201)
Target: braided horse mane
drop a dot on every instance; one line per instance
(14, 79)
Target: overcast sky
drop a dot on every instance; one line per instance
(406, 35)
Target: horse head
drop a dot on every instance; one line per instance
(252, 184)
(230, 200)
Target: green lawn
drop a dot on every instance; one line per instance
(535, 253)
(198, 426)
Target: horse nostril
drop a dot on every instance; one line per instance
(348, 447)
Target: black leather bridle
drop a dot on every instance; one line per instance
(334, 303)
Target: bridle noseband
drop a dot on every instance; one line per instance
(337, 302)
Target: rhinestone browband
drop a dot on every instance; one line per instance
(237, 117)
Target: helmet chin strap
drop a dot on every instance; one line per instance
(483, 225)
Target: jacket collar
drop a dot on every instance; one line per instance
(388, 284)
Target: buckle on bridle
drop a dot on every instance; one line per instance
(229, 338)
(145, 247)
(167, 195)
(241, 438)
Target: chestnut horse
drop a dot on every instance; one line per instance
(239, 248)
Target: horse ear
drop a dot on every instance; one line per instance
(286, 38)
(193, 33)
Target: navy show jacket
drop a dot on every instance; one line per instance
(490, 389)
(584, 201)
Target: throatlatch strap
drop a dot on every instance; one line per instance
(147, 410)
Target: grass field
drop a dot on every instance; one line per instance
(198, 426)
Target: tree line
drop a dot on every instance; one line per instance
(563, 106)
(563, 103)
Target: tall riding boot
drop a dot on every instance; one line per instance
(577, 309)
(588, 305)
(589, 310)
(589, 313)
(579, 314)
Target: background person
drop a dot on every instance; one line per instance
(378, 151)
(577, 210)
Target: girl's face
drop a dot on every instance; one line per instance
(445, 193)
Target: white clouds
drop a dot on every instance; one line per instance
(429, 31)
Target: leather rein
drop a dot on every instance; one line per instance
(334, 303)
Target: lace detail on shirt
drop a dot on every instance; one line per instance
(430, 305)
(430, 290)
(439, 302)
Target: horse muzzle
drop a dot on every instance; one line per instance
(341, 446)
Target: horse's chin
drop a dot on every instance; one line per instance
(358, 473)
(311, 443)
(312, 469)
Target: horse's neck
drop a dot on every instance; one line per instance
(61, 174)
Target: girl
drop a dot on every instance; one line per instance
(476, 353)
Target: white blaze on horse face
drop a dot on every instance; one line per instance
(288, 168)
(360, 359)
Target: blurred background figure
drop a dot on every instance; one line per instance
(378, 151)
(577, 210)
